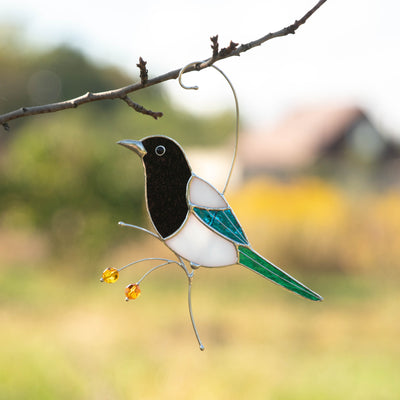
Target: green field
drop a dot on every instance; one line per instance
(68, 337)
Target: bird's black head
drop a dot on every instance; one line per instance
(167, 175)
(163, 153)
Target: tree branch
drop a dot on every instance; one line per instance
(121, 93)
(141, 109)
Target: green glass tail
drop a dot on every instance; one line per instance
(248, 258)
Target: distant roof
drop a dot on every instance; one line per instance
(299, 139)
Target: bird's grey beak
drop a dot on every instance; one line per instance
(134, 145)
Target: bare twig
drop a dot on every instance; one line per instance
(214, 46)
(141, 109)
(121, 93)
(291, 29)
(143, 71)
(227, 51)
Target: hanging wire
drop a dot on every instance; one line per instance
(182, 71)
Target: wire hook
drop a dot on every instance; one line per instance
(182, 71)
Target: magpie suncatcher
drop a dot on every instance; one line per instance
(193, 218)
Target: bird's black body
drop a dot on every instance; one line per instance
(167, 176)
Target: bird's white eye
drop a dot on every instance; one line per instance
(160, 150)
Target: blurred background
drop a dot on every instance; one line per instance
(315, 186)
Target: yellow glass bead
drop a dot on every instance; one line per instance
(110, 275)
(132, 291)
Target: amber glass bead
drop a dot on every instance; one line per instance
(110, 275)
(132, 291)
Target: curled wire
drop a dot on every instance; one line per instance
(182, 71)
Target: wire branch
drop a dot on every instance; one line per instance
(232, 50)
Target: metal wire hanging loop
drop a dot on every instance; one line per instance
(182, 71)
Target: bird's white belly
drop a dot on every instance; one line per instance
(200, 245)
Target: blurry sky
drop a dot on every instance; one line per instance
(348, 52)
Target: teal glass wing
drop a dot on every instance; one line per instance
(223, 222)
